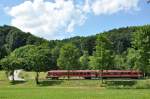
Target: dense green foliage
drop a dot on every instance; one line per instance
(123, 48)
(69, 57)
(84, 61)
(141, 45)
(102, 57)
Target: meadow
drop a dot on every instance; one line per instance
(72, 93)
(64, 89)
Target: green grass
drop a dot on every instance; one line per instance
(72, 93)
(65, 89)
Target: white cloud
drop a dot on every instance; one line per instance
(86, 6)
(112, 6)
(47, 19)
(58, 19)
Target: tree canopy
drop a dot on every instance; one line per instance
(141, 44)
(69, 57)
(30, 57)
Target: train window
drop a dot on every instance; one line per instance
(115, 73)
(111, 73)
(106, 73)
(124, 73)
(54, 73)
(65, 73)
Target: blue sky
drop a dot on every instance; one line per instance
(86, 17)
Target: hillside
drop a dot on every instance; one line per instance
(121, 39)
(12, 38)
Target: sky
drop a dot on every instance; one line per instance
(59, 19)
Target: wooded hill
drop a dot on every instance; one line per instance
(12, 38)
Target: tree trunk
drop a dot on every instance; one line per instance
(37, 78)
(13, 76)
(68, 72)
(144, 75)
(7, 74)
(102, 76)
(68, 75)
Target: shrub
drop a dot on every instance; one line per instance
(121, 82)
(142, 84)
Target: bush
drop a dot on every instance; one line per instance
(142, 84)
(129, 84)
(120, 82)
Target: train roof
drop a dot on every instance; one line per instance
(94, 71)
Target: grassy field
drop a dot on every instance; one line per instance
(72, 93)
(64, 89)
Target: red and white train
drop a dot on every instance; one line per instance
(88, 74)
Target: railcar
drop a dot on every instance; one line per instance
(88, 74)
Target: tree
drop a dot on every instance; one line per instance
(141, 44)
(120, 61)
(55, 55)
(102, 58)
(68, 58)
(40, 60)
(94, 62)
(33, 58)
(103, 55)
(12, 63)
(84, 60)
(132, 57)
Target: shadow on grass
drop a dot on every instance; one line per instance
(50, 82)
(17, 82)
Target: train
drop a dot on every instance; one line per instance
(90, 74)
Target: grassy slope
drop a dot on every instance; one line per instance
(63, 89)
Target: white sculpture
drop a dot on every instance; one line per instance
(16, 76)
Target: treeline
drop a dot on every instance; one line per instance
(124, 48)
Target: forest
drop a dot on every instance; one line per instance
(126, 48)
